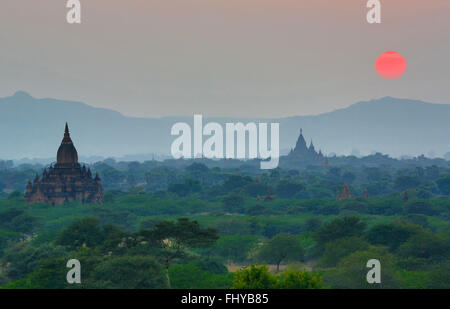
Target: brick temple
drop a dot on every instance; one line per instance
(66, 181)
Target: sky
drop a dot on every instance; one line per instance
(233, 58)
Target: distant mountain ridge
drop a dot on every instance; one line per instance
(33, 128)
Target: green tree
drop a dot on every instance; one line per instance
(426, 246)
(444, 185)
(236, 182)
(256, 188)
(313, 224)
(256, 210)
(349, 177)
(190, 186)
(339, 228)
(192, 276)
(351, 272)
(175, 238)
(298, 279)
(420, 207)
(254, 277)
(234, 203)
(83, 232)
(439, 276)
(392, 234)
(235, 247)
(129, 272)
(23, 259)
(51, 274)
(403, 183)
(288, 189)
(281, 248)
(18, 220)
(15, 195)
(337, 249)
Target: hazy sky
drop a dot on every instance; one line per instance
(255, 58)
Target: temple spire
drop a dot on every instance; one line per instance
(67, 154)
(66, 131)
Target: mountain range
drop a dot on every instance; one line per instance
(33, 128)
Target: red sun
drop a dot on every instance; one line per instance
(390, 65)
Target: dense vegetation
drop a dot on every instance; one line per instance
(195, 226)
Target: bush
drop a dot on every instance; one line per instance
(336, 250)
(254, 277)
(444, 185)
(296, 279)
(129, 272)
(235, 248)
(392, 234)
(351, 272)
(420, 207)
(83, 232)
(288, 189)
(426, 246)
(281, 248)
(256, 210)
(192, 276)
(234, 203)
(385, 207)
(339, 228)
(258, 277)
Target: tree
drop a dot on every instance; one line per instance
(23, 259)
(256, 188)
(351, 272)
(83, 232)
(334, 173)
(406, 182)
(339, 228)
(374, 174)
(50, 275)
(130, 272)
(236, 182)
(18, 220)
(233, 203)
(298, 279)
(282, 248)
(192, 276)
(15, 195)
(420, 207)
(349, 177)
(432, 172)
(288, 189)
(336, 250)
(439, 276)
(189, 186)
(426, 246)
(313, 224)
(235, 247)
(174, 238)
(256, 210)
(254, 277)
(149, 223)
(7, 239)
(391, 234)
(444, 185)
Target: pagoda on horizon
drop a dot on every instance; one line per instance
(66, 181)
